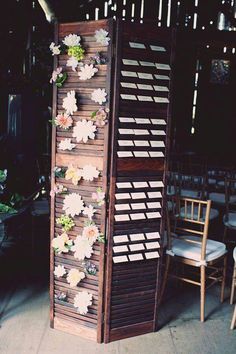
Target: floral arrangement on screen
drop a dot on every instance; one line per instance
(84, 130)
(82, 301)
(58, 77)
(66, 222)
(63, 121)
(62, 243)
(100, 116)
(101, 37)
(74, 48)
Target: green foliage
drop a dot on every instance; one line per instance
(4, 208)
(61, 79)
(77, 52)
(66, 222)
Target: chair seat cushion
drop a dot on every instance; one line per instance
(170, 190)
(234, 254)
(188, 193)
(214, 213)
(189, 250)
(231, 220)
(220, 198)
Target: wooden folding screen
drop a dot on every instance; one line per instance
(130, 153)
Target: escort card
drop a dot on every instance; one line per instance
(122, 207)
(122, 196)
(158, 121)
(141, 132)
(157, 132)
(128, 85)
(124, 154)
(152, 235)
(135, 257)
(152, 245)
(142, 120)
(151, 255)
(159, 99)
(157, 143)
(122, 217)
(138, 216)
(157, 184)
(161, 88)
(157, 48)
(162, 77)
(145, 76)
(153, 205)
(141, 143)
(120, 259)
(137, 45)
(126, 131)
(137, 206)
(118, 249)
(123, 185)
(147, 63)
(126, 120)
(153, 215)
(156, 154)
(120, 238)
(139, 195)
(140, 153)
(140, 184)
(145, 87)
(128, 97)
(137, 247)
(125, 143)
(130, 62)
(145, 98)
(154, 195)
(136, 237)
(129, 73)
(162, 66)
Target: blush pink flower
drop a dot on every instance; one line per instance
(63, 121)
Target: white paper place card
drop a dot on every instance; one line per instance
(156, 154)
(138, 216)
(160, 99)
(122, 207)
(152, 245)
(137, 45)
(130, 62)
(145, 87)
(162, 77)
(122, 196)
(123, 185)
(135, 257)
(141, 143)
(141, 132)
(157, 143)
(119, 249)
(154, 195)
(158, 132)
(136, 237)
(162, 66)
(142, 121)
(124, 154)
(153, 215)
(152, 235)
(158, 121)
(122, 217)
(137, 247)
(128, 85)
(158, 184)
(137, 206)
(157, 48)
(126, 120)
(120, 238)
(153, 205)
(128, 97)
(161, 88)
(147, 63)
(145, 76)
(145, 98)
(139, 195)
(125, 143)
(129, 73)
(140, 153)
(151, 255)
(140, 184)
(120, 259)
(126, 131)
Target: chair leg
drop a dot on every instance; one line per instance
(223, 280)
(165, 277)
(233, 286)
(202, 301)
(233, 319)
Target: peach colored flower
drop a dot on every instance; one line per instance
(63, 121)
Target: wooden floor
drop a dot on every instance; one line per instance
(24, 319)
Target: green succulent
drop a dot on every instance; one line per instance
(77, 52)
(66, 222)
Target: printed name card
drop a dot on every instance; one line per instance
(137, 206)
(158, 132)
(152, 235)
(128, 97)
(120, 238)
(139, 195)
(145, 87)
(128, 85)
(126, 131)
(157, 143)
(162, 77)
(124, 154)
(140, 184)
(147, 63)
(153, 205)
(160, 99)
(162, 66)
(122, 217)
(151, 255)
(141, 132)
(157, 48)
(161, 88)
(129, 73)
(138, 216)
(135, 257)
(120, 259)
(152, 245)
(137, 247)
(145, 76)
(154, 194)
(137, 45)
(122, 207)
(141, 154)
(136, 237)
(123, 185)
(158, 121)
(122, 196)
(156, 154)
(126, 120)
(157, 184)
(125, 143)
(130, 62)
(153, 215)
(142, 121)
(141, 143)
(119, 249)
(145, 98)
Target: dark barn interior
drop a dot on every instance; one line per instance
(202, 159)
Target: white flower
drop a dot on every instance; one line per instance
(71, 40)
(101, 37)
(74, 277)
(87, 71)
(73, 204)
(69, 103)
(81, 301)
(66, 145)
(90, 172)
(61, 243)
(55, 49)
(99, 96)
(89, 211)
(59, 271)
(82, 248)
(72, 62)
(91, 232)
(83, 130)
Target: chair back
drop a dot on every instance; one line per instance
(230, 195)
(189, 217)
(192, 186)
